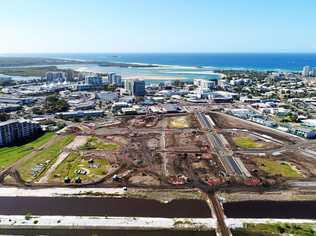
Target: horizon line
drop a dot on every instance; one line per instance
(34, 53)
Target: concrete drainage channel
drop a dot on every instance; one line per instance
(71, 211)
(53, 211)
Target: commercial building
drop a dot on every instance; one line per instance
(135, 87)
(107, 96)
(15, 100)
(204, 84)
(117, 106)
(139, 88)
(80, 114)
(222, 96)
(171, 108)
(14, 131)
(309, 123)
(303, 132)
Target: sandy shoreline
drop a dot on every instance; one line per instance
(178, 73)
(154, 77)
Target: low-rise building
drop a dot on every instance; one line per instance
(10, 107)
(81, 114)
(303, 132)
(204, 84)
(171, 108)
(15, 100)
(107, 96)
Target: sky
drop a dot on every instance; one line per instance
(76, 26)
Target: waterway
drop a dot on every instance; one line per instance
(271, 209)
(90, 206)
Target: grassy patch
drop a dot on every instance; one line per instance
(98, 144)
(37, 165)
(277, 168)
(9, 155)
(282, 229)
(65, 168)
(179, 122)
(246, 142)
(74, 163)
(183, 223)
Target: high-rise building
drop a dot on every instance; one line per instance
(139, 88)
(117, 80)
(128, 85)
(81, 76)
(114, 79)
(308, 71)
(135, 87)
(93, 80)
(111, 78)
(55, 76)
(14, 131)
(69, 75)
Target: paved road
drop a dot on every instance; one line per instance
(163, 153)
(225, 155)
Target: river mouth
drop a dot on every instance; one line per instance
(271, 209)
(90, 206)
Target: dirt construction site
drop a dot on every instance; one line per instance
(201, 149)
(155, 151)
(270, 157)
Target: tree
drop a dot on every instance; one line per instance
(178, 83)
(110, 87)
(37, 111)
(4, 116)
(54, 104)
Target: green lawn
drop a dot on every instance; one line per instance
(73, 163)
(9, 155)
(277, 168)
(98, 144)
(282, 229)
(45, 158)
(246, 142)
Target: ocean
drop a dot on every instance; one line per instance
(185, 66)
(258, 61)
